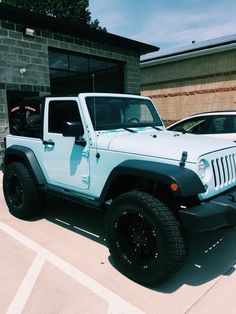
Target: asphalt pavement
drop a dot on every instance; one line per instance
(58, 262)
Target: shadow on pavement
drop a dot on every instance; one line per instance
(211, 254)
(85, 221)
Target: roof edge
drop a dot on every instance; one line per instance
(28, 18)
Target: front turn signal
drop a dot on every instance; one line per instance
(174, 187)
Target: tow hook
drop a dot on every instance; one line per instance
(232, 197)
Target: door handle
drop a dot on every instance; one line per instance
(50, 142)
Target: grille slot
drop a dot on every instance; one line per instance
(224, 170)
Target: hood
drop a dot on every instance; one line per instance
(161, 144)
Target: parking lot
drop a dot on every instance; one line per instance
(59, 263)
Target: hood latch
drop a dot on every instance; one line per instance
(183, 159)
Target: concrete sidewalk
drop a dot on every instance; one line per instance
(59, 263)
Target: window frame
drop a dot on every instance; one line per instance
(53, 120)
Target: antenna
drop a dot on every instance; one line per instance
(94, 104)
(95, 116)
(93, 76)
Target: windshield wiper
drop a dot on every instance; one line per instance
(141, 126)
(130, 130)
(156, 128)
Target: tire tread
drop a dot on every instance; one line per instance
(171, 227)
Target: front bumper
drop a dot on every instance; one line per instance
(216, 213)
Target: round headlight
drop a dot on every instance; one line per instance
(204, 170)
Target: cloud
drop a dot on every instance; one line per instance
(169, 23)
(180, 28)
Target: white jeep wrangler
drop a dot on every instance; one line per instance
(112, 152)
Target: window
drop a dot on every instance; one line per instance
(75, 73)
(199, 125)
(119, 112)
(224, 124)
(60, 112)
(58, 60)
(209, 124)
(78, 63)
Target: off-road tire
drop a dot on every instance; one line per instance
(144, 238)
(20, 191)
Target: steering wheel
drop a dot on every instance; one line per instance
(136, 120)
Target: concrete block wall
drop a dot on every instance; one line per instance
(3, 123)
(193, 85)
(18, 52)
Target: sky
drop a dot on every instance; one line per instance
(166, 23)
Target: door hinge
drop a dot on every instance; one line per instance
(86, 179)
(85, 153)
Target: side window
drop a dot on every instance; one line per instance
(60, 112)
(218, 124)
(197, 125)
(225, 124)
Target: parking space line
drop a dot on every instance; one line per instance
(62, 221)
(18, 303)
(116, 303)
(85, 231)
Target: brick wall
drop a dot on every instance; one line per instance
(192, 85)
(18, 51)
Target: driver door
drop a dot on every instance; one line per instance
(66, 163)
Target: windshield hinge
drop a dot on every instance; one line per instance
(86, 179)
(85, 153)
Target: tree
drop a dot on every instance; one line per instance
(73, 11)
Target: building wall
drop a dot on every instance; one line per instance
(18, 51)
(192, 85)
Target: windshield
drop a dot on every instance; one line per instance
(121, 112)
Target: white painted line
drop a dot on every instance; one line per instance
(18, 303)
(114, 309)
(64, 222)
(93, 234)
(116, 303)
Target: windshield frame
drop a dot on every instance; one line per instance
(95, 102)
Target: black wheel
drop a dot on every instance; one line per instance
(144, 238)
(20, 191)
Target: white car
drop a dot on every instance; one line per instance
(220, 124)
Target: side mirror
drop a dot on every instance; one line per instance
(73, 129)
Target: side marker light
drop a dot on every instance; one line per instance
(174, 187)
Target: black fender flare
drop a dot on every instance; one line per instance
(27, 156)
(188, 181)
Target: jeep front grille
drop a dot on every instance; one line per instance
(224, 170)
